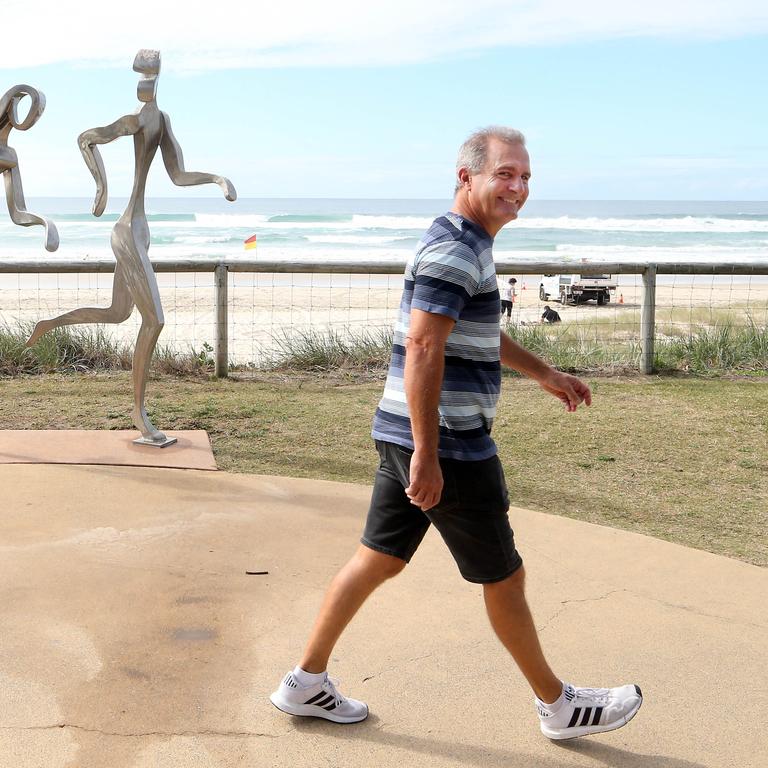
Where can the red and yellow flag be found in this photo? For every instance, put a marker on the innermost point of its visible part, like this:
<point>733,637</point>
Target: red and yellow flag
<point>250,242</point>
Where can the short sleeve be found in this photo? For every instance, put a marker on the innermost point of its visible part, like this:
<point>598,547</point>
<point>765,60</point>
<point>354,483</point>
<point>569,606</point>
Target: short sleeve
<point>445,277</point>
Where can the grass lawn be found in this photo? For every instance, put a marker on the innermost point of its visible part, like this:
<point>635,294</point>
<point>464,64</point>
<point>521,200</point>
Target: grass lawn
<point>682,459</point>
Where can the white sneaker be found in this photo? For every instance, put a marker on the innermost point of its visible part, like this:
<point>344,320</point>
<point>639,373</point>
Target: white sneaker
<point>590,710</point>
<point>319,700</point>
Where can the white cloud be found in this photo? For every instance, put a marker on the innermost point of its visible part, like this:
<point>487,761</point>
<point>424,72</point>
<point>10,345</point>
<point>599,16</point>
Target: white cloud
<point>197,34</point>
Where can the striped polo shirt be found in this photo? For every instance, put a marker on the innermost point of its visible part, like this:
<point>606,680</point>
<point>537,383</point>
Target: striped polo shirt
<point>451,273</point>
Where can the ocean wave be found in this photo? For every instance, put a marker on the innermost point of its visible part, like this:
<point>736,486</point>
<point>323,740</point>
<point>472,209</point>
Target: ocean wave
<point>112,217</point>
<point>358,239</point>
<point>362,223</point>
<point>201,239</point>
<point>685,224</point>
<point>294,218</point>
<point>420,223</point>
<point>351,223</point>
<point>240,220</point>
<point>758,251</point>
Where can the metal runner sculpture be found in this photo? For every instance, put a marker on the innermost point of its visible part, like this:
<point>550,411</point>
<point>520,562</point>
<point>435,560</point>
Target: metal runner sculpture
<point>134,281</point>
<point>9,163</point>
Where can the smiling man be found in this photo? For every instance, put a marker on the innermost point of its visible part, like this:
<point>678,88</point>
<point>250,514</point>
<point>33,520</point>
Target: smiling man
<point>438,463</point>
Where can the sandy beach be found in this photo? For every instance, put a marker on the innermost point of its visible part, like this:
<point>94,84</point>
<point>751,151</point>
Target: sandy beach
<point>266,307</point>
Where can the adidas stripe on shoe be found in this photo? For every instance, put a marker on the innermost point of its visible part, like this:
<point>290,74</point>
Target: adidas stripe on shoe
<point>319,700</point>
<point>585,711</point>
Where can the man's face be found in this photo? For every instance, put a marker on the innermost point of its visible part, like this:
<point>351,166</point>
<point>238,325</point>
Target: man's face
<point>500,190</point>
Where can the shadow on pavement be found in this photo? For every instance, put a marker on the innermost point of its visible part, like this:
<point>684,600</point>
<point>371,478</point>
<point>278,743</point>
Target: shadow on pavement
<point>621,758</point>
<point>372,730</point>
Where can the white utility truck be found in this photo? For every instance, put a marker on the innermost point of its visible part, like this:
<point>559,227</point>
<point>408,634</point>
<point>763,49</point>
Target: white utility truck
<point>577,288</point>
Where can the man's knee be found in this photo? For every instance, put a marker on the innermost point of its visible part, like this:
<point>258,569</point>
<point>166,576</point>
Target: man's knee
<point>515,582</point>
<point>379,564</point>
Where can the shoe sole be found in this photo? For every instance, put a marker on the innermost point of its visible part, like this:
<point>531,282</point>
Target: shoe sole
<point>310,710</point>
<point>588,730</point>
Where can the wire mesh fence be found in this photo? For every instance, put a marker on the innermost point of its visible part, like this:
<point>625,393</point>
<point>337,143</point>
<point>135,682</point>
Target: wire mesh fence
<point>688,308</point>
<point>270,310</point>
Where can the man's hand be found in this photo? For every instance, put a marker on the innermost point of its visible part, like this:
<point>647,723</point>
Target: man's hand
<point>426,481</point>
<point>566,388</point>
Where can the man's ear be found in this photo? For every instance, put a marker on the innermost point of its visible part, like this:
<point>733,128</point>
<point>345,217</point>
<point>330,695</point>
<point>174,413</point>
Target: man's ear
<point>464,177</point>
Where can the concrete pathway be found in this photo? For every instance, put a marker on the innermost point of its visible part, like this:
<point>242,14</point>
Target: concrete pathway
<point>131,636</point>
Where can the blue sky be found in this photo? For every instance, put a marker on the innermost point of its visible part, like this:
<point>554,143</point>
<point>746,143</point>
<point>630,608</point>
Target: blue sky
<point>335,101</point>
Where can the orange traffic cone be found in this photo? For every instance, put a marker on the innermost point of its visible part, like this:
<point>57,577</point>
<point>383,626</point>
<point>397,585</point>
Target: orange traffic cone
<point>621,298</point>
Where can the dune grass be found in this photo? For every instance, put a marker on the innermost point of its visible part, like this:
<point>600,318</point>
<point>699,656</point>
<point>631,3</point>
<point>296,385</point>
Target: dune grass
<point>596,347</point>
<point>312,350</point>
<point>719,348</point>
<point>589,347</point>
<point>88,348</point>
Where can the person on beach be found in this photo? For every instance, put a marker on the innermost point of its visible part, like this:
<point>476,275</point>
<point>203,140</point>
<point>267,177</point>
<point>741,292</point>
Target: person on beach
<point>508,294</point>
<point>549,315</point>
<point>134,281</point>
<point>438,462</point>
<point>9,162</point>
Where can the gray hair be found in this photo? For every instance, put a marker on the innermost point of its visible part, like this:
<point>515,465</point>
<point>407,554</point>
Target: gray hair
<point>474,151</point>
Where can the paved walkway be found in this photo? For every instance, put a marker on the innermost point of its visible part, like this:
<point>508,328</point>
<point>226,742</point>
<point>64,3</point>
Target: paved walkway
<point>131,636</point>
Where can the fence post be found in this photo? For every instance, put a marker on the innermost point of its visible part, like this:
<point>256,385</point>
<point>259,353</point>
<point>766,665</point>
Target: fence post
<point>221,279</point>
<point>648,319</point>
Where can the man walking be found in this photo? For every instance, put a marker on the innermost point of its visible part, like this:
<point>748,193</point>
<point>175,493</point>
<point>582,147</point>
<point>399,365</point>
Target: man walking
<point>438,462</point>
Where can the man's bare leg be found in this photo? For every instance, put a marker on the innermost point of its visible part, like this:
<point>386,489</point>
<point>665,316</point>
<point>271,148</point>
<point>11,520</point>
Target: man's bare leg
<point>365,571</point>
<point>565,712</point>
<point>308,690</point>
<point>512,621</point>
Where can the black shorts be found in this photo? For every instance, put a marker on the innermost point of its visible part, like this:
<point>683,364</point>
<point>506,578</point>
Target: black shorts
<point>471,515</point>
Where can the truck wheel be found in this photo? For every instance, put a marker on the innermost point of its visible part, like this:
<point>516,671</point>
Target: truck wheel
<point>600,299</point>
<point>542,295</point>
<point>563,297</point>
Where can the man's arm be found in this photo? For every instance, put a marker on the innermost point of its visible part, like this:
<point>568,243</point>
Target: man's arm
<point>424,369</point>
<point>568,389</point>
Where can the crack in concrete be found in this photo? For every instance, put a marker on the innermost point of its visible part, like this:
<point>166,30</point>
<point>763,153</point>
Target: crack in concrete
<point>565,603</point>
<point>397,666</point>
<point>169,734</point>
<point>677,606</point>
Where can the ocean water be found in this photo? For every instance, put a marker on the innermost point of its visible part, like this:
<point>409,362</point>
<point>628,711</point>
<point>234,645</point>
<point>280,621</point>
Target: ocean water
<point>199,228</point>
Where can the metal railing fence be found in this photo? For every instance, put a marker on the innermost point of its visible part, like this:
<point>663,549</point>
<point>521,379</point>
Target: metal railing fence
<point>225,270</point>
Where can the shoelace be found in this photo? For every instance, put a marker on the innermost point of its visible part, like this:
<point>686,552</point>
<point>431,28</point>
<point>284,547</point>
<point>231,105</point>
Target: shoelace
<point>329,686</point>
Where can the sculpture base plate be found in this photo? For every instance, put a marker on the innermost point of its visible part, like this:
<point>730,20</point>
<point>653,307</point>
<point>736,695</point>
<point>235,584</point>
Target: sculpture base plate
<point>107,446</point>
<point>155,443</point>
